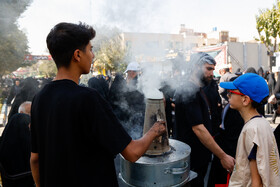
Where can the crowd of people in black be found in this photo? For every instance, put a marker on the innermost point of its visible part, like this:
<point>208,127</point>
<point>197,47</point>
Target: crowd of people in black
<point>197,113</point>
<point>183,115</point>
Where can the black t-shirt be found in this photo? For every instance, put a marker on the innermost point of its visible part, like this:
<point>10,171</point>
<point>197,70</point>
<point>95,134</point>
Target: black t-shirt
<point>233,123</point>
<point>76,135</point>
<point>189,112</point>
<point>211,91</point>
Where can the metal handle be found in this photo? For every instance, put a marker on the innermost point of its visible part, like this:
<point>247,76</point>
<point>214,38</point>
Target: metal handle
<point>177,171</point>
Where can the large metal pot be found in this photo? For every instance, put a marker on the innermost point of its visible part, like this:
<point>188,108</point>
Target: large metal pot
<point>171,169</point>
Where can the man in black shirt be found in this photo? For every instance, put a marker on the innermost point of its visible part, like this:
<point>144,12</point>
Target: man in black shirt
<point>193,117</point>
<point>14,91</point>
<point>74,133</point>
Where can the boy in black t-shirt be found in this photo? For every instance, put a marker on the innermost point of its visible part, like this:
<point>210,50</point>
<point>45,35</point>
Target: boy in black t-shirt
<point>75,135</point>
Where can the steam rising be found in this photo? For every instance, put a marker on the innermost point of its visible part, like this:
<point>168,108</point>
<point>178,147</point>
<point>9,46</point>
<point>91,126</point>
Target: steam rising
<point>133,16</point>
<point>182,76</point>
<point>150,81</point>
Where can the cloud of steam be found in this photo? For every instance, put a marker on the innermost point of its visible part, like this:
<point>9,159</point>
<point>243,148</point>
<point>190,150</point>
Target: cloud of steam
<point>184,77</point>
<point>133,16</point>
<point>150,80</point>
<point>139,16</point>
<point>134,126</point>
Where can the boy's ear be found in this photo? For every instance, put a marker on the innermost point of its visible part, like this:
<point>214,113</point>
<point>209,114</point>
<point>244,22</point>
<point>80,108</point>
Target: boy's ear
<point>246,100</point>
<point>76,55</point>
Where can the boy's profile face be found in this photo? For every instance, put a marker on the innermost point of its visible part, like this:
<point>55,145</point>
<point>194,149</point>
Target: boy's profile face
<point>235,99</point>
<point>86,58</point>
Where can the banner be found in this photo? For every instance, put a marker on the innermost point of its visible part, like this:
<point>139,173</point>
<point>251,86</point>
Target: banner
<point>37,57</point>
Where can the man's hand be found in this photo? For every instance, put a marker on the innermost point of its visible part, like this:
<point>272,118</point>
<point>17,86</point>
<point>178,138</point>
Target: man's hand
<point>272,99</point>
<point>228,162</point>
<point>208,141</point>
<point>136,148</point>
<point>158,128</point>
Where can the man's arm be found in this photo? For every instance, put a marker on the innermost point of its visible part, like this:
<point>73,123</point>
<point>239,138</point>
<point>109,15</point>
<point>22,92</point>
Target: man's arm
<point>34,163</point>
<point>208,141</point>
<point>136,148</point>
<point>255,176</point>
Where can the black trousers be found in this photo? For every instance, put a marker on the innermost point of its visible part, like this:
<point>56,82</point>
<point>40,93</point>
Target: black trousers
<point>23,182</point>
<point>199,180</point>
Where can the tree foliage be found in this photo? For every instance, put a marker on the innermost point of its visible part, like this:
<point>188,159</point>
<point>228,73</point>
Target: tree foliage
<point>110,53</point>
<point>268,26</point>
<point>13,42</point>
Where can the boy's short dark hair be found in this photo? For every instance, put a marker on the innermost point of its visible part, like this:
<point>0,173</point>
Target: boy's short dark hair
<point>65,38</point>
<point>257,105</point>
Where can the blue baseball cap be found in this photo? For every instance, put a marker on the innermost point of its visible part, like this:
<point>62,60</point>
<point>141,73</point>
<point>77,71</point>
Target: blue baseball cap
<point>249,84</point>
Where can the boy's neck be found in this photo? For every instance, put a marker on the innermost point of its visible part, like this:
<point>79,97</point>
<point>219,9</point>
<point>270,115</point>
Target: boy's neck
<point>247,114</point>
<point>67,73</point>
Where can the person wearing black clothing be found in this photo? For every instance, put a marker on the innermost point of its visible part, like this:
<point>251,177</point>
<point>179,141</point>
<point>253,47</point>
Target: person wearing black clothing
<point>117,98</point>
<point>271,86</point>
<point>14,91</point>
<point>168,89</point>
<point>274,99</point>
<point>105,137</point>
<point>108,80</point>
<point>15,151</point>
<point>277,136</point>
<point>260,72</point>
<point>227,139</point>
<point>128,102</point>
<point>27,92</point>
<point>129,107</point>
<point>251,70</point>
<point>136,110</point>
<point>74,132</point>
<point>100,85</point>
<point>211,91</point>
<point>266,74</point>
<point>188,114</point>
<point>193,117</point>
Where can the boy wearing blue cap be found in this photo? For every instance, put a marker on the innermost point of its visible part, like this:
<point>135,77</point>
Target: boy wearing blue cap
<point>257,158</point>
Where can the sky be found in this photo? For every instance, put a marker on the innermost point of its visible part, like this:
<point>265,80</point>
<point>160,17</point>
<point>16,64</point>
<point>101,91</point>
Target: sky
<point>152,16</point>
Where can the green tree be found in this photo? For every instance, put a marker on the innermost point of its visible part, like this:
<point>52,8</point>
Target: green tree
<point>110,53</point>
<point>268,26</point>
<point>13,42</point>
